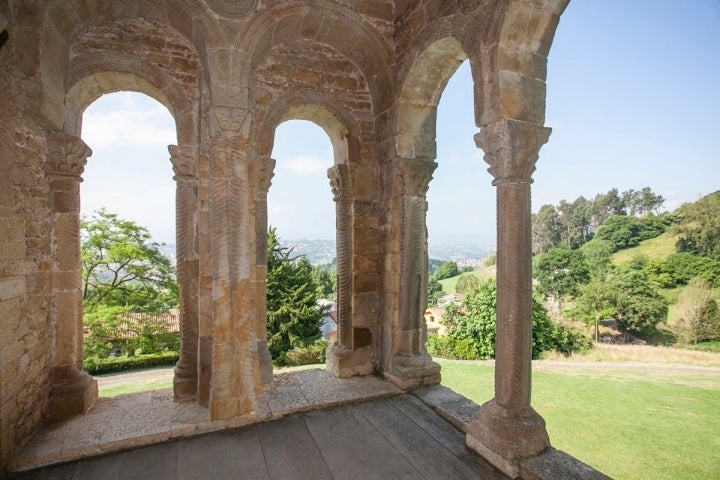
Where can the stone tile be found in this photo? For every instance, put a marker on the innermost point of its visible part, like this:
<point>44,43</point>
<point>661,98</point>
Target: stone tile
<point>135,420</point>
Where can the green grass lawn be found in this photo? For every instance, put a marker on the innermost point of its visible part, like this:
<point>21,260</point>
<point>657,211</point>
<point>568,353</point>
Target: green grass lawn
<point>135,387</point>
<point>653,248</point>
<point>627,424</point>
<point>483,273</point>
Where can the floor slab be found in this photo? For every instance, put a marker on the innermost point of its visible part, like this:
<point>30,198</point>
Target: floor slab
<point>140,419</point>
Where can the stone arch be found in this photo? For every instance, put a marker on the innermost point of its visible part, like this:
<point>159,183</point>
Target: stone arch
<point>420,91</point>
<point>107,59</point>
<point>339,127</point>
<point>517,48</point>
<point>422,82</point>
<point>351,354</point>
<point>294,20</point>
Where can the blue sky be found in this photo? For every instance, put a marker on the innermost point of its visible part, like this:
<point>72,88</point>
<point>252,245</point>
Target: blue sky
<point>633,98</point>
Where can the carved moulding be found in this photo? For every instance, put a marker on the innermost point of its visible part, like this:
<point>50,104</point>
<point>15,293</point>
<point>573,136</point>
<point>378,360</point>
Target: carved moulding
<point>67,155</point>
<point>511,149</point>
<point>233,8</point>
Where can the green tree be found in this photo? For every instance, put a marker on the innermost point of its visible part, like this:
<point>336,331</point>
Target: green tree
<point>699,316</point>
<point>561,271</point>
<point>293,316</point>
<point>634,300</point>
<point>122,266</point>
<point>473,326</point>
<point>597,255</point>
<point>620,232</point>
<point>435,291</point>
<point>593,303</point>
<point>446,270</point>
<point>546,229</point>
<point>700,228</point>
<point>467,283</point>
<point>325,281</point>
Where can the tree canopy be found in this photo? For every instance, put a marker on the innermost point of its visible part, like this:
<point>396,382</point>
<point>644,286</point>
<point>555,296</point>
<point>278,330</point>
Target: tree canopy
<point>293,316</point>
<point>561,271</point>
<point>700,230</point>
<point>474,324</point>
<point>122,266</point>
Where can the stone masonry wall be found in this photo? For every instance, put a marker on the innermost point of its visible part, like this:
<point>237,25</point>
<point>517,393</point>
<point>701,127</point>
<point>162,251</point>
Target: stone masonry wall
<point>25,338</point>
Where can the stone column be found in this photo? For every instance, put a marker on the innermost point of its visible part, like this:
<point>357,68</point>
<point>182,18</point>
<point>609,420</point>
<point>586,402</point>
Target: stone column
<point>73,391</point>
<point>184,161</point>
<point>351,354</point>
<point>227,378</point>
<point>411,366</point>
<point>261,173</point>
<point>507,430</point>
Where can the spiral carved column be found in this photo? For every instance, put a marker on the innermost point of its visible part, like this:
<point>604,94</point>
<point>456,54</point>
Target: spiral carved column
<point>345,357</point>
<point>411,366</point>
<point>73,390</point>
<point>261,173</point>
<point>507,430</point>
<point>184,161</point>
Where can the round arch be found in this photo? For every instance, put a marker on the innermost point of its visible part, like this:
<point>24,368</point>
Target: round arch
<point>420,91</point>
<point>341,128</point>
<point>293,20</point>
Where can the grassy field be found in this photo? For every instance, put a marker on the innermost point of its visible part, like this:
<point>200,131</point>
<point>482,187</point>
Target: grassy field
<point>654,248</point>
<point>483,273</point>
<point>632,412</point>
<point>628,423</point>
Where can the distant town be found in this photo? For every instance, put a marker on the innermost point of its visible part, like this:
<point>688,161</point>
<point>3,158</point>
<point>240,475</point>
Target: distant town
<point>322,252</point>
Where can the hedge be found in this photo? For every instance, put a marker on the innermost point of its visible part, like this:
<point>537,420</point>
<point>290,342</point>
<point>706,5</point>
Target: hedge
<point>96,366</point>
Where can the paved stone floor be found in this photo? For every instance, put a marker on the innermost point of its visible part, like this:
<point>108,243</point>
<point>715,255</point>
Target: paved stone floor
<point>308,424</point>
<point>397,437</point>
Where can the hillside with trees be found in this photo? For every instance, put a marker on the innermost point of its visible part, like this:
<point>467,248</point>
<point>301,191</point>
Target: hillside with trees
<point>618,267</point>
<point>616,257</point>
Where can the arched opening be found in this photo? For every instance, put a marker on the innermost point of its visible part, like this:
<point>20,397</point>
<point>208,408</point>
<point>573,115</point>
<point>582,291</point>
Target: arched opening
<point>461,200</point>
<point>128,253</point>
<point>301,217</point>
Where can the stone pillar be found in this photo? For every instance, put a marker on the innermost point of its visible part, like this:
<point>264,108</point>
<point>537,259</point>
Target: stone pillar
<point>507,430</point>
<point>184,161</point>
<point>261,173</point>
<point>411,366</point>
<point>73,390</point>
<point>228,377</point>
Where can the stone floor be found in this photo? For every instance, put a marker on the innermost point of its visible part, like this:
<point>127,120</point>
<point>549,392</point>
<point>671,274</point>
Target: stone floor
<point>397,437</point>
<point>139,419</point>
<point>309,424</point>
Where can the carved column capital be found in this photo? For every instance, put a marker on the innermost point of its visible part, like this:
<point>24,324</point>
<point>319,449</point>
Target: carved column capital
<point>184,162</point>
<point>340,181</point>
<point>511,149</point>
<point>67,155</point>
<point>229,120</point>
<point>262,170</point>
<point>415,175</point>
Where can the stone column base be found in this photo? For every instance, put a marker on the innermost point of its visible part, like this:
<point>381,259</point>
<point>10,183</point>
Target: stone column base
<point>345,363</point>
<point>184,381</point>
<point>506,438</point>
<point>264,362</point>
<point>227,408</point>
<point>73,392</point>
<point>413,371</point>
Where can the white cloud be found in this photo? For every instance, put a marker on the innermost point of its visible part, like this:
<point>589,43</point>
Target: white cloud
<point>305,165</point>
<point>127,120</point>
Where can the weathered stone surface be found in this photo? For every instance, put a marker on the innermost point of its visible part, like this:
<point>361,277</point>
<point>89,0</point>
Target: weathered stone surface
<point>369,72</point>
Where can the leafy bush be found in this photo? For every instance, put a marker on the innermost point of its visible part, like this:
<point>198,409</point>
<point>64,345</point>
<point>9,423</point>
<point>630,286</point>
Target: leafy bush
<point>112,331</point>
<point>309,355</point>
<point>447,347</point>
<point>679,268</point>
<point>95,365</point>
<point>472,328</point>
